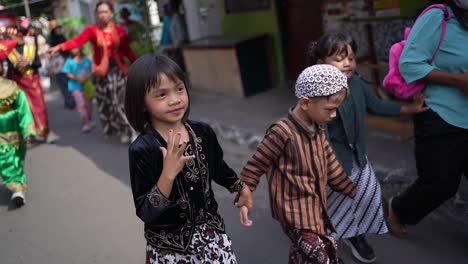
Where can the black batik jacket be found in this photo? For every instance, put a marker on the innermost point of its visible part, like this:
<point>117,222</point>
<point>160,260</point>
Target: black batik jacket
<point>170,221</point>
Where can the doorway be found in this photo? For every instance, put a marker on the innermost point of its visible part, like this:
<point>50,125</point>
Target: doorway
<point>300,22</point>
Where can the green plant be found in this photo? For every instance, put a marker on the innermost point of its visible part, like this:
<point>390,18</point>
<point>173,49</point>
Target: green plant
<point>141,47</point>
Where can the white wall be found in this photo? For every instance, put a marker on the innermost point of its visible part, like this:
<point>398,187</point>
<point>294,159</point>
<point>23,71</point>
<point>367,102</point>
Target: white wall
<point>202,20</point>
<point>210,15</point>
<point>73,8</point>
<point>76,10</point>
<point>192,18</point>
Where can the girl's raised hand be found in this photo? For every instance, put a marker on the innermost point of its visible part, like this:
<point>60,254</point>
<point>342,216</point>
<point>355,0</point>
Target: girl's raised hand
<point>174,158</point>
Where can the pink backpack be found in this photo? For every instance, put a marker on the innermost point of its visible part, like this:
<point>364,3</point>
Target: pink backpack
<point>393,81</point>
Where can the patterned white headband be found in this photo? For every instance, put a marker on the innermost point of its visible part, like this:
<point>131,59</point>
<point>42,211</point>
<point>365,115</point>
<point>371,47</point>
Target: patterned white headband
<point>320,80</point>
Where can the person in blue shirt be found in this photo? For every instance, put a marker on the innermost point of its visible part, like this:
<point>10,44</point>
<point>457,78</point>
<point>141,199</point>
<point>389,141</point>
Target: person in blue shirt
<point>78,70</point>
<point>441,133</point>
<point>165,32</point>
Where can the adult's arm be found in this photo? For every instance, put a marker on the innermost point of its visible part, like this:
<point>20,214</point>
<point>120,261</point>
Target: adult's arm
<point>419,49</point>
<point>79,40</point>
<point>458,80</point>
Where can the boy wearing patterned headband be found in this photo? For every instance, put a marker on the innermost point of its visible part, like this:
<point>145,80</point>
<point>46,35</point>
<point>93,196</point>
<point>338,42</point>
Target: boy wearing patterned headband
<point>16,125</point>
<point>299,163</point>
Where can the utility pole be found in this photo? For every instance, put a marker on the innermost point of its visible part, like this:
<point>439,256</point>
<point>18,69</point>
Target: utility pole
<point>26,9</point>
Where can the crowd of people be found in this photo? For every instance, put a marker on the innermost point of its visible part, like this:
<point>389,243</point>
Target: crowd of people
<point>80,79</point>
<point>321,183</point>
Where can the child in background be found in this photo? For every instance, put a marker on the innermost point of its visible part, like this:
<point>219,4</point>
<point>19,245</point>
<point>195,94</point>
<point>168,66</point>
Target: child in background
<point>172,165</point>
<point>299,163</point>
<point>16,127</point>
<point>353,218</point>
<point>78,70</point>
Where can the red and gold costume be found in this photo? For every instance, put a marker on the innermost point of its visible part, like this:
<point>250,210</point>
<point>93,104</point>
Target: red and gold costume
<point>29,82</point>
<point>16,125</point>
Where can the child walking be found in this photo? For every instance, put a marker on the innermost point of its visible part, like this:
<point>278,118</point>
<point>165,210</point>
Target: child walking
<point>353,218</point>
<point>299,163</point>
<point>172,165</point>
<point>16,127</point>
<point>78,70</point>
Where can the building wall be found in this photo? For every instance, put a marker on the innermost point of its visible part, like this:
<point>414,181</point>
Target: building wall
<point>61,8</point>
<point>256,23</point>
<point>202,18</point>
<point>192,19</point>
<point>75,8</point>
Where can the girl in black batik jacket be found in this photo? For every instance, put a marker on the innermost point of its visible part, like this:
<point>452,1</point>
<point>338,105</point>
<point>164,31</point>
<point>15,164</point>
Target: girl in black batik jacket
<point>172,165</point>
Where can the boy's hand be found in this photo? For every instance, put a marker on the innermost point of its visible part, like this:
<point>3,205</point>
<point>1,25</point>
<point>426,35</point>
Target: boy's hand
<point>245,204</point>
<point>417,106</point>
<point>174,158</point>
<point>245,199</point>
<point>244,216</point>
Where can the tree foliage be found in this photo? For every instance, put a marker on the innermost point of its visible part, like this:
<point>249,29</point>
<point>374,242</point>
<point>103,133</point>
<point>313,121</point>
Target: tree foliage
<point>10,2</point>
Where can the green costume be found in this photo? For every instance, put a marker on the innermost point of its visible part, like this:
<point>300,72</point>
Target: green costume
<point>16,124</point>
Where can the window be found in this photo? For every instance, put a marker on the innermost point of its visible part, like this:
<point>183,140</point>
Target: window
<point>86,12</point>
<point>240,6</point>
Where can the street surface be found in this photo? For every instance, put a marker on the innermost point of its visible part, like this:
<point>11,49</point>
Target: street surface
<point>80,209</point>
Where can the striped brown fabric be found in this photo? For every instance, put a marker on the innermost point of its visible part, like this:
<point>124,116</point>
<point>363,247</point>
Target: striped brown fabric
<point>298,164</point>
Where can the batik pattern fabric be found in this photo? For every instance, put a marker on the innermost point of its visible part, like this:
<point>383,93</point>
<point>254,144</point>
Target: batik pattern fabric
<point>208,245</point>
<point>310,248</point>
<point>110,94</point>
<point>363,214</point>
<point>16,124</point>
<point>320,80</point>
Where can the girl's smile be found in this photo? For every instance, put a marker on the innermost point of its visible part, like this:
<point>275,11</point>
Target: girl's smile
<point>176,111</point>
<point>168,102</point>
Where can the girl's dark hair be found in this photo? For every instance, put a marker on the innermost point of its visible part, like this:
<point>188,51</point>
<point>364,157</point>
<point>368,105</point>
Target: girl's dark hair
<point>328,45</point>
<point>144,74</point>
<point>81,52</point>
<point>458,12</point>
<point>22,29</point>
<point>98,4</point>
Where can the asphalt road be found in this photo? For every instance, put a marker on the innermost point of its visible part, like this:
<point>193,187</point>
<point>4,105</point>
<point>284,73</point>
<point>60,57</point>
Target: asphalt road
<point>80,210</point>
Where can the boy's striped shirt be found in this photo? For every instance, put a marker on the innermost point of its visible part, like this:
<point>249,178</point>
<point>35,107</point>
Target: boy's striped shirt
<point>293,157</point>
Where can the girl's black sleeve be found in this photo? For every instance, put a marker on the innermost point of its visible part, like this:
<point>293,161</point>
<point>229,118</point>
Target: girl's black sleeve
<point>224,175</point>
<point>145,168</point>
